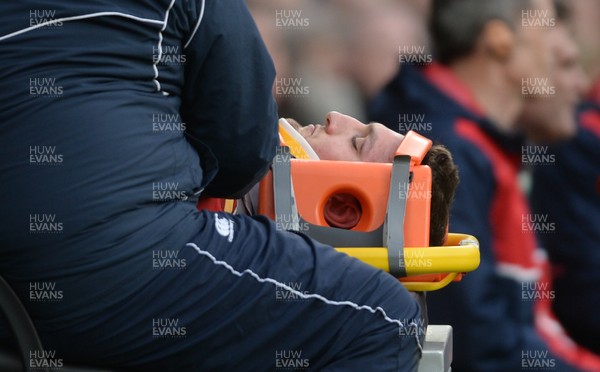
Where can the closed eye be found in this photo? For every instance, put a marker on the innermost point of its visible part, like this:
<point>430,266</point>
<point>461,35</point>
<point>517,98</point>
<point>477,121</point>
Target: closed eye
<point>358,143</point>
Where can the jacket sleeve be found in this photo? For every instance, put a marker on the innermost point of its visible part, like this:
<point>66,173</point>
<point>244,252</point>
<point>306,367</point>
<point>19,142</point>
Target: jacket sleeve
<point>227,102</point>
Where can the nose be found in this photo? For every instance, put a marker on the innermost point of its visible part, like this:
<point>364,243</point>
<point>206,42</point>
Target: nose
<point>335,122</point>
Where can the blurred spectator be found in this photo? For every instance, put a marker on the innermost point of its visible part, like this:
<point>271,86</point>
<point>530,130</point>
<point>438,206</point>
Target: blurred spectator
<point>586,14</point>
<point>552,117</point>
<point>566,194</point>
<point>336,54</point>
<point>311,81</point>
<point>493,55</point>
<point>381,31</point>
<point>586,25</point>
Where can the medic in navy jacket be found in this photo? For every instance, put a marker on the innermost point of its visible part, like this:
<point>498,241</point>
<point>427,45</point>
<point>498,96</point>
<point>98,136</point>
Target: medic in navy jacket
<point>493,323</point>
<point>116,115</point>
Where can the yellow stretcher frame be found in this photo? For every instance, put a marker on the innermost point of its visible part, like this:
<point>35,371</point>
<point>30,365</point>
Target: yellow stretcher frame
<point>460,254</point>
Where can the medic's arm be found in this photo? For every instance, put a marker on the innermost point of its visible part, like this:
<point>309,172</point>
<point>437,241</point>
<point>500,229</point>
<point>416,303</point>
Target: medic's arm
<point>227,101</point>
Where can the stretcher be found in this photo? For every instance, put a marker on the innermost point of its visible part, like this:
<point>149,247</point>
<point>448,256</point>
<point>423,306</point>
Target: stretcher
<point>393,231</point>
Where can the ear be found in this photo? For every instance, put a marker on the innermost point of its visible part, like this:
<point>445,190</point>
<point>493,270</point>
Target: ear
<point>498,39</point>
<point>342,211</point>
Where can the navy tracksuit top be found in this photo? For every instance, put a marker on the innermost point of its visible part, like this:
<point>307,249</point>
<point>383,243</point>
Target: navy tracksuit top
<point>102,112</point>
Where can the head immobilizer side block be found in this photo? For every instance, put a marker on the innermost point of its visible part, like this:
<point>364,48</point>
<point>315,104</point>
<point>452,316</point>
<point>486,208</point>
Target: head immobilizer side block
<point>393,231</point>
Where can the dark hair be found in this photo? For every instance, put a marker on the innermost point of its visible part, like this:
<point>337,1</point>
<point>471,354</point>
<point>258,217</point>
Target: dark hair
<point>455,25</point>
<point>444,180</point>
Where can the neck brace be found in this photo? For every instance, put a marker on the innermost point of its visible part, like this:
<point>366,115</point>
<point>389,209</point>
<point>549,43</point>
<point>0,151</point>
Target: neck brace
<point>290,137</point>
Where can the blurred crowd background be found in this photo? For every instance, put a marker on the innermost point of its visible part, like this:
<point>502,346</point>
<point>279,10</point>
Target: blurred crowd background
<point>342,52</point>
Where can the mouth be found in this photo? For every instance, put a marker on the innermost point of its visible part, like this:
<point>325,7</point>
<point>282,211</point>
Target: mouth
<point>308,130</point>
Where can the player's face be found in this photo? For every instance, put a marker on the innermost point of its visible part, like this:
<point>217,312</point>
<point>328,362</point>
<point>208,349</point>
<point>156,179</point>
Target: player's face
<point>343,137</point>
